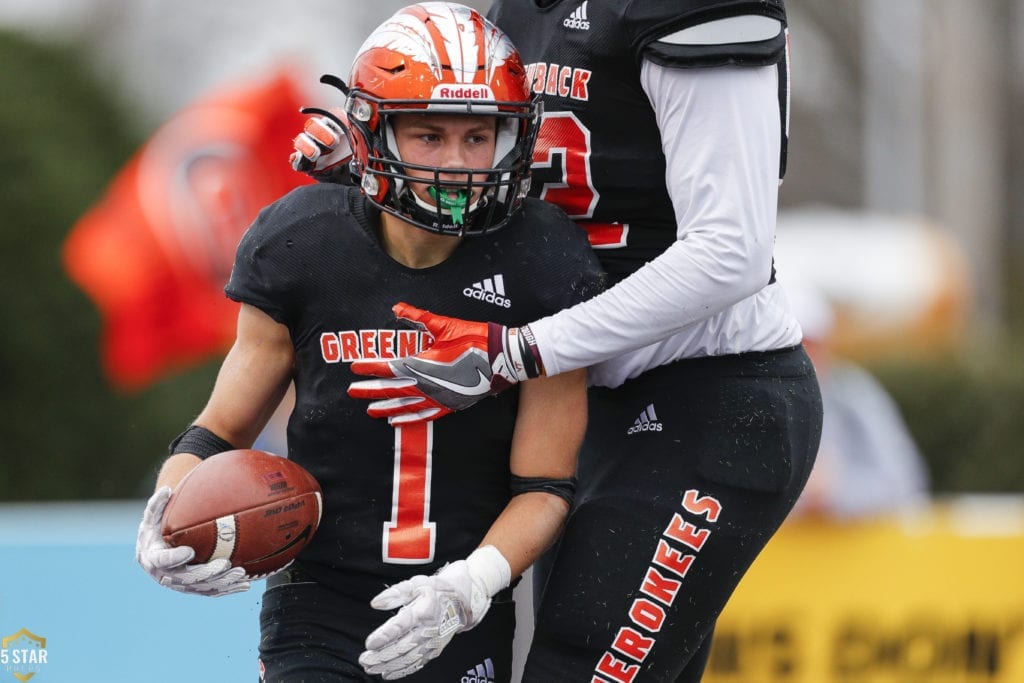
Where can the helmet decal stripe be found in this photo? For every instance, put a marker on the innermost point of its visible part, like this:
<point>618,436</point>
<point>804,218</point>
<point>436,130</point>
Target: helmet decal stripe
<point>455,31</point>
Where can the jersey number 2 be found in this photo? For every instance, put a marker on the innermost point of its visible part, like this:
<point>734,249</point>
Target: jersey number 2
<point>409,536</point>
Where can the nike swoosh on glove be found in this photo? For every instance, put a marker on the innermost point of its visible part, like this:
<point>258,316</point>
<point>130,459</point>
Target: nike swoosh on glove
<point>433,609</point>
<point>466,362</point>
<point>169,566</point>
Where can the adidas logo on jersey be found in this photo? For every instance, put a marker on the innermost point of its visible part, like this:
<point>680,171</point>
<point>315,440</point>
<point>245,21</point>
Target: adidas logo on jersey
<point>578,19</point>
<point>647,422</point>
<point>481,673</point>
<point>491,290</point>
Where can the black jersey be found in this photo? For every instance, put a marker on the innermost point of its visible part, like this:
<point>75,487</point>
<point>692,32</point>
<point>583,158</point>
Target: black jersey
<point>599,153</point>
<point>397,501</point>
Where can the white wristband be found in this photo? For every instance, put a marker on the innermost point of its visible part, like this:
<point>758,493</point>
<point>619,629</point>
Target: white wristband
<point>488,566</point>
<point>520,348</point>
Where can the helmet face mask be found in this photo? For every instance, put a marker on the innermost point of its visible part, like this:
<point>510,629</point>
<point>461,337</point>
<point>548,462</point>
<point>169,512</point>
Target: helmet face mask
<point>441,58</point>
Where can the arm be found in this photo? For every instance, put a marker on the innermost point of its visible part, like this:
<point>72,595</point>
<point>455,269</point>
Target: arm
<point>434,608</point>
<point>541,447</point>
<point>251,382</point>
<point>720,134</point>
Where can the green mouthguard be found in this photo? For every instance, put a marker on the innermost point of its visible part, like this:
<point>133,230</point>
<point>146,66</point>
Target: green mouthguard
<point>456,204</point>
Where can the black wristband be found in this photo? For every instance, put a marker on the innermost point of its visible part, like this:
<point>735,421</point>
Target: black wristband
<point>199,441</point>
<point>563,488</point>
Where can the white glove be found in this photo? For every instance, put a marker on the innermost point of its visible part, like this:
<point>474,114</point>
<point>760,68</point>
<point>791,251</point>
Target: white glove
<point>433,609</point>
<point>168,566</point>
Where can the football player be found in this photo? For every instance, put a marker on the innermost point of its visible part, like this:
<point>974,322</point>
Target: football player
<point>432,519</point>
<point>664,135</point>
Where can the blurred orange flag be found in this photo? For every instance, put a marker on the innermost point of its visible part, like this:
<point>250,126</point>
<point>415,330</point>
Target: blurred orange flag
<point>156,250</point>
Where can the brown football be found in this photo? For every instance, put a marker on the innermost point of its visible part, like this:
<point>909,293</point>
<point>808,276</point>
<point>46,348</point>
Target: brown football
<point>256,509</point>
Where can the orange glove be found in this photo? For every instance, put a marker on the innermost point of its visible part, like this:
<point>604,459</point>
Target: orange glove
<point>467,361</point>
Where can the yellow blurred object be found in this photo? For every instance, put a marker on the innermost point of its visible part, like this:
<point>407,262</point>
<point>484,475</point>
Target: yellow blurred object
<point>933,598</point>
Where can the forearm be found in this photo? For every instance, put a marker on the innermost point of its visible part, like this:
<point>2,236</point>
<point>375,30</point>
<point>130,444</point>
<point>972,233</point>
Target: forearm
<point>249,388</point>
<point>541,448</point>
<point>250,384</point>
<point>175,468</point>
<point>527,527</point>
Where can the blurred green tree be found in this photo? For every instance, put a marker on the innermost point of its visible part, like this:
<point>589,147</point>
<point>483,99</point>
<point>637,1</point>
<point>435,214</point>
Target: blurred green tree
<point>965,413</point>
<point>66,434</point>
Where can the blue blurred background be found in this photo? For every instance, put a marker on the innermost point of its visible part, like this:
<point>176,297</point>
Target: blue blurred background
<point>70,577</point>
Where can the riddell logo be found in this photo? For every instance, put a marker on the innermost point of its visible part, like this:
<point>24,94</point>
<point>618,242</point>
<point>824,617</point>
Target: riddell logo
<point>578,19</point>
<point>462,92</point>
<point>491,290</point>
<point>647,422</point>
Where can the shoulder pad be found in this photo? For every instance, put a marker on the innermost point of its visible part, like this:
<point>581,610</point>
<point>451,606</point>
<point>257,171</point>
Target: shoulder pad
<point>745,40</point>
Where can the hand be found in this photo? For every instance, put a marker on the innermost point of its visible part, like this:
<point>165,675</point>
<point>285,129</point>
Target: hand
<point>467,361</point>
<point>168,566</point>
<point>322,149</point>
<point>433,609</point>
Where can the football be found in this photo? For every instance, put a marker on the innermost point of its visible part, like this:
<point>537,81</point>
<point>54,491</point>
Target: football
<point>256,509</point>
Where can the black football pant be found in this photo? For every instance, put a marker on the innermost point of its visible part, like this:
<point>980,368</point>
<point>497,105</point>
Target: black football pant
<point>685,474</point>
<point>312,634</point>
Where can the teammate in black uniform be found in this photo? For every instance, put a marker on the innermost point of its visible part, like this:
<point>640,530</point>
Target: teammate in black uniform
<point>664,134</point>
<point>432,519</point>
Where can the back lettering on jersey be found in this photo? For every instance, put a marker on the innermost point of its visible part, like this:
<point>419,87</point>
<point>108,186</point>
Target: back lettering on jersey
<point>559,80</point>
